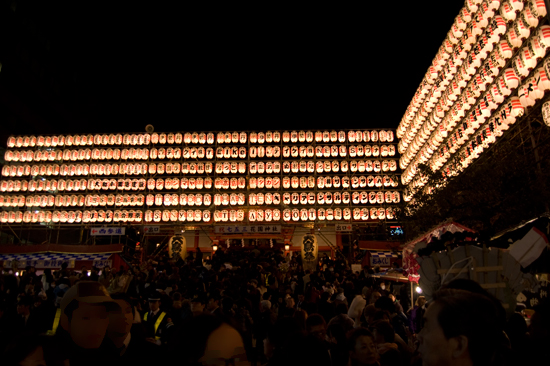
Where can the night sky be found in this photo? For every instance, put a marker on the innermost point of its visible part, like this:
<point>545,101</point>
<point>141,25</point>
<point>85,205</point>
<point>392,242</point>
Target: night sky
<point>185,69</point>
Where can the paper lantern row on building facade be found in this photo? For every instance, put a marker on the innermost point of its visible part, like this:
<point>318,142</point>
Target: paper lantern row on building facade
<point>251,215</point>
<point>92,216</point>
<point>198,199</point>
<point>496,24</point>
<point>234,167</point>
<point>61,185</point>
<point>529,92</point>
<point>473,24</point>
<point>461,120</point>
<point>201,138</point>
<point>194,153</point>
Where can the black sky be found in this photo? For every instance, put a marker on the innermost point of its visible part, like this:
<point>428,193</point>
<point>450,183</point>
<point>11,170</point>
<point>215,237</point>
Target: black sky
<point>120,68</point>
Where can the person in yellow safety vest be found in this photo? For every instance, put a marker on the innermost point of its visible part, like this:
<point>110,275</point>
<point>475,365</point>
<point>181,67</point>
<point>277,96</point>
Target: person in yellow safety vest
<point>155,321</point>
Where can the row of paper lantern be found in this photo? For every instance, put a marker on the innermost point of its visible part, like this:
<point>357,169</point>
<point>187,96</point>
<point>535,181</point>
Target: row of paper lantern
<point>425,124</point>
<point>531,90</point>
<point>462,97</point>
<point>452,50</point>
<point>490,101</point>
<point>200,138</point>
<point>535,47</point>
<point>462,34</point>
<point>253,215</point>
<point>304,214</point>
<point>500,121</point>
<point>198,183</point>
<point>514,38</point>
<point>261,167</point>
<point>190,183</point>
<point>494,128</point>
<point>91,216</point>
<point>295,198</point>
<point>227,152</point>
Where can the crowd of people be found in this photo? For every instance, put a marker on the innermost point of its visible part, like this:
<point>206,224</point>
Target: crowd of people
<point>257,307</point>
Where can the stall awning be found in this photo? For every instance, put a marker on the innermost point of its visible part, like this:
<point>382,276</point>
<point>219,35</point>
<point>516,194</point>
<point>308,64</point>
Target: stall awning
<point>382,258</point>
<point>384,254</point>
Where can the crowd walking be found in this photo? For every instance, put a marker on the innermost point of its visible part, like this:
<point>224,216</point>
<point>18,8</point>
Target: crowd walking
<point>254,307</point>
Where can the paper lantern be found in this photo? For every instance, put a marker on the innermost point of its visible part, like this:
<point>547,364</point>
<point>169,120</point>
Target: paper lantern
<point>529,92</point>
<point>528,18</point>
<point>544,76</point>
<point>521,29</point>
<point>508,12</point>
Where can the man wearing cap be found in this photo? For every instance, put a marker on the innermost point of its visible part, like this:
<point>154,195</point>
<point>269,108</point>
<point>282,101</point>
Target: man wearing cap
<point>198,303</point>
<point>83,321</point>
<point>154,320</point>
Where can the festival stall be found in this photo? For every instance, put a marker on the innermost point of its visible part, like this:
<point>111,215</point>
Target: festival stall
<point>410,263</point>
<point>508,266</point>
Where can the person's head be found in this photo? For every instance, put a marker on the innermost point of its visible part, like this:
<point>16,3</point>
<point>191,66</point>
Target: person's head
<point>227,304</point>
<point>341,308</point>
<point>301,317</point>
<point>121,317</point>
<point>213,301</point>
<point>154,301</point>
<point>421,301</point>
<point>198,302</point>
<point>385,303</point>
<point>374,296</point>
<point>380,315</point>
<point>316,326</point>
<point>207,340</point>
<point>383,332</point>
<point>176,300</point>
<point>362,350</point>
<point>84,313</point>
<point>336,333</point>
<point>265,305</point>
<point>289,300</point>
<point>460,326</point>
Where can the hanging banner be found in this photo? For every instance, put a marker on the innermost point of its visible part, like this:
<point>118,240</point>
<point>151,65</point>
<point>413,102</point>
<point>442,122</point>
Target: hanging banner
<point>103,263</point>
<point>343,228</point>
<point>151,229</point>
<point>240,229</point>
<point>104,231</point>
<point>310,251</point>
<point>177,247</point>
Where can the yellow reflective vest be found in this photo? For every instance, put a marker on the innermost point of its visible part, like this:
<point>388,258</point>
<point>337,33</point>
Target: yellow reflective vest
<point>157,323</point>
